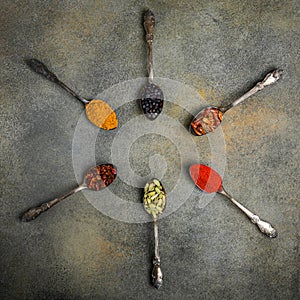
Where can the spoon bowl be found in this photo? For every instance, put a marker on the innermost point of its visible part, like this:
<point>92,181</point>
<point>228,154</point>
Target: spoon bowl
<point>96,179</point>
<point>209,118</point>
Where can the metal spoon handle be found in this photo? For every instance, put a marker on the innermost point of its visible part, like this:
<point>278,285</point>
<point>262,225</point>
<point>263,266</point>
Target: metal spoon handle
<point>270,78</point>
<point>42,69</point>
<point>149,24</point>
<point>34,212</point>
<point>263,226</point>
<point>157,276</point>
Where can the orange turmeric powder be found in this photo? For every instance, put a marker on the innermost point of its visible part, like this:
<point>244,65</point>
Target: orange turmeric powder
<point>101,114</point>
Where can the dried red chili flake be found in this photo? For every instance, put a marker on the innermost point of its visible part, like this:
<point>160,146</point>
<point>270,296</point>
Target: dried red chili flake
<point>207,179</point>
<point>207,120</point>
<point>100,177</point>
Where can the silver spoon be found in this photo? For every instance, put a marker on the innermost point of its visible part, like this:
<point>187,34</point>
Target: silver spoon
<point>208,119</point>
<point>152,97</point>
<point>210,181</point>
<point>97,111</point>
<point>97,178</point>
<point>154,204</point>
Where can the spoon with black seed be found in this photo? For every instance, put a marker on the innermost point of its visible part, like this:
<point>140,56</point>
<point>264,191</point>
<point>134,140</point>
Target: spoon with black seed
<point>152,97</point>
<point>96,179</point>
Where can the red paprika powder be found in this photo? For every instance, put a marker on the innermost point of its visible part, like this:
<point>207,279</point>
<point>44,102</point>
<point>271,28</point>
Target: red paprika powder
<point>207,179</point>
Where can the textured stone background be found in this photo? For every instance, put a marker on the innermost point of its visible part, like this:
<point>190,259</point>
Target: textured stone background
<point>220,48</point>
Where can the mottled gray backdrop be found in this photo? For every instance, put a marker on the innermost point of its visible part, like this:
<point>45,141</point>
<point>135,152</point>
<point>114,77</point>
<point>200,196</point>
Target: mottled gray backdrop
<point>209,250</point>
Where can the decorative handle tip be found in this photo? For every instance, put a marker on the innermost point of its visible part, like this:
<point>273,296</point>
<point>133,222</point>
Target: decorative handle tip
<point>265,227</point>
<point>42,69</point>
<point>157,276</point>
<point>272,77</point>
<point>149,24</point>
<point>34,212</point>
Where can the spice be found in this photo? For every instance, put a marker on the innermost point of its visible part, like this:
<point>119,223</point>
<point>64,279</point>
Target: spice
<point>206,178</point>
<point>101,114</point>
<point>207,120</point>
<point>152,101</point>
<point>154,198</point>
<point>100,177</point>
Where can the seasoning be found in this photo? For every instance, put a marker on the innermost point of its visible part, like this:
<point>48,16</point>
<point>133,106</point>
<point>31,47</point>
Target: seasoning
<point>101,114</point>
<point>100,177</point>
<point>152,100</point>
<point>154,198</point>
<point>206,178</point>
<point>207,120</point>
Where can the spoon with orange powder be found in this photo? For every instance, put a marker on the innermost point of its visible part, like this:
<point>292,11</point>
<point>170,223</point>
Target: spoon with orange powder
<point>209,118</point>
<point>97,111</point>
<point>209,181</point>
<point>96,179</point>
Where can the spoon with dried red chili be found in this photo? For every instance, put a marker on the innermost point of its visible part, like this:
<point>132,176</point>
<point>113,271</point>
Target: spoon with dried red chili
<point>208,119</point>
<point>97,179</point>
<point>97,111</point>
<point>209,181</point>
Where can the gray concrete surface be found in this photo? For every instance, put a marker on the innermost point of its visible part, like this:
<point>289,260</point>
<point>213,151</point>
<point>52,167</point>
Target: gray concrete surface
<point>219,49</point>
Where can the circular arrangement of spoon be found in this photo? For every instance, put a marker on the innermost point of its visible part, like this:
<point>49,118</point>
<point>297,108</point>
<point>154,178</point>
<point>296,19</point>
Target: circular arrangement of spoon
<point>97,111</point>
<point>154,204</point>
<point>209,181</point>
<point>208,119</point>
<point>96,179</point>
<point>151,100</point>
<point>152,97</point>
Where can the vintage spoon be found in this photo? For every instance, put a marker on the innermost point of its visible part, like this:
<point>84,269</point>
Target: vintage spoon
<point>154,204</point>
<point>97,178</point>
<point>209,181</point>
<point>208,119</point>
<point>152,97</point>
<point>97,111</point>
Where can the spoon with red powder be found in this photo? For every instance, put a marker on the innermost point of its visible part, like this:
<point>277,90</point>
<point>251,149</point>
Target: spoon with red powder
<point>97,179</point>
<point>209,118</point>
<point>209,181</point>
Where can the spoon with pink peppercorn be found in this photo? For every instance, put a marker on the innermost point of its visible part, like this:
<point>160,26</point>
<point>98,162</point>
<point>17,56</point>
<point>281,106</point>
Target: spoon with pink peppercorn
<point>97,179</point>
<point>209,118</point>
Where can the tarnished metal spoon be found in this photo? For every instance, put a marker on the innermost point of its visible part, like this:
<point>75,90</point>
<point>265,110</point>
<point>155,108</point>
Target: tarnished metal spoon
<point>210,181</point>
<point>154,204</point>
<point>97,111</point>
<point>208,119</point>
<point>97,178</point>
<point>152,97</point>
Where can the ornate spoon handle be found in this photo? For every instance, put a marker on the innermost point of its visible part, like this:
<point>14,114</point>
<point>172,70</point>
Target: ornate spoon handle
<point>149,24</point>
<point>157,276</point>
<point>263,226</point>
<point>34,212</point>
<point>270,78</point>
<point>42,69</point>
